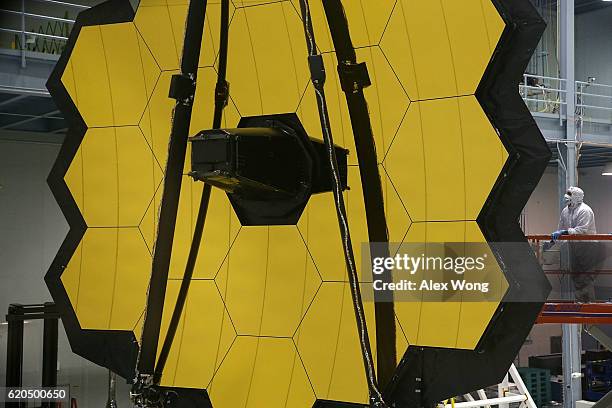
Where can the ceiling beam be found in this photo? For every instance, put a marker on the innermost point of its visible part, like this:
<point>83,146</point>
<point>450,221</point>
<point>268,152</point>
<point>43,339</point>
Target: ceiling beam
<point>21,122</point>
<point>13,99</point>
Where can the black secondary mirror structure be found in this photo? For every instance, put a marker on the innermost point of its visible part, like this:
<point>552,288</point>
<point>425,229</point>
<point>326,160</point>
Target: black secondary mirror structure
<point>268,166</point>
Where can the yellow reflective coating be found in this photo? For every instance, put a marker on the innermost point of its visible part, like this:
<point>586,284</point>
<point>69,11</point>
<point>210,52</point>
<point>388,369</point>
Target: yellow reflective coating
<point>269,320</point>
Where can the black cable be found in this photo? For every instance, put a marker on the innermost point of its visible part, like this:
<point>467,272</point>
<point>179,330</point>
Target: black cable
<point>221,94</point>
<point>353,78</point>
<point>317,70</point>
<point>184,289</point>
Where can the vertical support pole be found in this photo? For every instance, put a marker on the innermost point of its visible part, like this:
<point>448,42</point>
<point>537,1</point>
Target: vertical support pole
<point>14,348</point>
<point>572,344</point>
<point>112,392</point>
<point>502,391</point>
<point>572,352</point>
<point>23,36</point>
<point>14,351</point>
<point>50,339</point>
<point>568,74</point>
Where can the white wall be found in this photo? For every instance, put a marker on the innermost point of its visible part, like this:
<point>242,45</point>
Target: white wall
<point>31,225</point>
<point>594,58</point>
<point>31,229</point>
<point>537,343</point>
<point>598,194</point>
<point>593,51</point>
<point>542,210</point>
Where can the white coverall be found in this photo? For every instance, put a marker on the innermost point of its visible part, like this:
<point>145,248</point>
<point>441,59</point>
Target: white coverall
<point>578,218</point>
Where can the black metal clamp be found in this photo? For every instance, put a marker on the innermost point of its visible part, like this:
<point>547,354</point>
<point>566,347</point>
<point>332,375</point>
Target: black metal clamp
<point>353,76</point>
<point>317,70</point>
<point>222,93</point>
<point>182,88</point>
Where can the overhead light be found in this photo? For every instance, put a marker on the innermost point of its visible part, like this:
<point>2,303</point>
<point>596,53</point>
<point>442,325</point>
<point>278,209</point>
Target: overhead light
<point>607,170</point>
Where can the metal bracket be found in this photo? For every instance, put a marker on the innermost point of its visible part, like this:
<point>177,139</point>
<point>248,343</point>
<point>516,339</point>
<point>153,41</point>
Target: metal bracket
<point>222,93</point>
<point>317,70</point>
<point>182,88</point>
<point>353,77</point>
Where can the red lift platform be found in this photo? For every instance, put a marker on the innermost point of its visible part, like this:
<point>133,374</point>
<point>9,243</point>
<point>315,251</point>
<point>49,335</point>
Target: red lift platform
<point>580,313</point>
<point>567,311</point>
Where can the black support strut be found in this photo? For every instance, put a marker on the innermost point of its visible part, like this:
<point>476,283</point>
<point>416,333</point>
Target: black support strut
<point>183,90</point>
<point>221,98</point>
<point>317,75</point>
<point>50,342</point>
<point>353,78</point>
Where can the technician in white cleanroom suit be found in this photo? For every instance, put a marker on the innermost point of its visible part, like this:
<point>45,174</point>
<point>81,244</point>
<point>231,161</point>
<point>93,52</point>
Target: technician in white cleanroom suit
<point>578,218</point>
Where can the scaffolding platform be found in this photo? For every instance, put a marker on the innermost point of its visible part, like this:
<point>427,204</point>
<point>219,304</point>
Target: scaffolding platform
<point>578,313</point>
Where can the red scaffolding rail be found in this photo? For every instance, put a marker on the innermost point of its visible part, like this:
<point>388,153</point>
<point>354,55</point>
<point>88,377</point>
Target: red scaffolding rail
<point>567,311</point>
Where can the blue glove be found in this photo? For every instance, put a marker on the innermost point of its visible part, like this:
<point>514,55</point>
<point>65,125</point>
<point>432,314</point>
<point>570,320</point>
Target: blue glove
<point>555,235</point>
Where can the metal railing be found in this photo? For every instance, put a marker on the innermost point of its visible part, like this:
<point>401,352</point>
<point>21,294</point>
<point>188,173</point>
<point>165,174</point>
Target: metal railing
<point>26,18</point>
<point>544,95</point>
<point>593,105</point>
<point>548,95</point>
